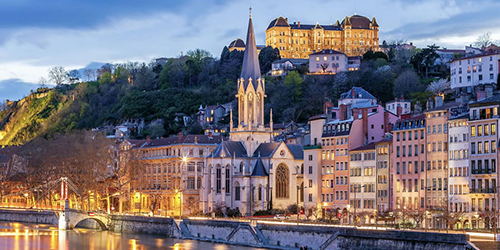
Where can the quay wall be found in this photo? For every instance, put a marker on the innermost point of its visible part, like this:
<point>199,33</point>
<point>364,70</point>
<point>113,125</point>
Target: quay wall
<point>263,235</point>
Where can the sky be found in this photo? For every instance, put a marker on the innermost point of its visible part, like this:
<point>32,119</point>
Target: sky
<point>37,35</point>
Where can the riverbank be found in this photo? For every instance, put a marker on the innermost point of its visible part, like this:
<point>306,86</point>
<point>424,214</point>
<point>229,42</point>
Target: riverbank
<point>262,234</point>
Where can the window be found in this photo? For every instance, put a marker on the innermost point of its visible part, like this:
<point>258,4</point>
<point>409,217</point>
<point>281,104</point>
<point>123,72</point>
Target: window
<point>218,176</point>
<point>237,192</point>
<point>228,177</point>
<point>282,181</point>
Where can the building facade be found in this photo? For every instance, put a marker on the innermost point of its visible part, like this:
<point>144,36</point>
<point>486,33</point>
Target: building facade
<point>327,62</point>
<point>473,70</point>
<point>354,36</point>
<point>250,172</point>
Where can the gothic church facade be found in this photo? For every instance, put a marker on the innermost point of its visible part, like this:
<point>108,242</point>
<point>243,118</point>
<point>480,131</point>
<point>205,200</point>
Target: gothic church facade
<point>250,171</point>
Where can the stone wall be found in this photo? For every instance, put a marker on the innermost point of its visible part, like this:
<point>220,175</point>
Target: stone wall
<point>145,225</point>
<point>44,217</point>
<point>276,236</point>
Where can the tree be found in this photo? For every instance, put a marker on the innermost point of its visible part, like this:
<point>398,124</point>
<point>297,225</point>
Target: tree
<point>407,83</point>
<point>438,86</point>
<point>266,58</point>
<point>105,78</point>
<point>294,81</point>
<point>43,82</point>
<point>74,76</point>
<point>89,74</point>
<point>483,40</point>
<point>312,211</point>
<point>58,75</point>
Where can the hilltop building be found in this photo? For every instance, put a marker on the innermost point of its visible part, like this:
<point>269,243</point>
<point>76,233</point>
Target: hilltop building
<point>354,36</point>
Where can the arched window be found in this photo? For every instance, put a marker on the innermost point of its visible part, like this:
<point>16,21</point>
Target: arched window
<point>228,179</point>
<point>237,194</point>
<point>259,194</point>
<point>218,175</point>
<point>282,182</point>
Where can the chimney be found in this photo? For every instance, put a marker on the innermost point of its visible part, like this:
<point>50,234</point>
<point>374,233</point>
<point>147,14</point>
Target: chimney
<point>439,101</point>
<point>399,111</point>
<point>480,95</point>
<point>352,93</point>
<point>364,113</point>
<point>196,140</point>
<point>430,104</point>
<point>210,136</point>
<point>411,43</point>
<point>343,112</point>
<point>355,114</point>
<point>180,135</point>
<point>299,24</point>
<point>148,139</point>
<point>386,121</point>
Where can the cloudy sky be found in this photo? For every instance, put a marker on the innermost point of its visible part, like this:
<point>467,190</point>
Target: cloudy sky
<point>36,35</point>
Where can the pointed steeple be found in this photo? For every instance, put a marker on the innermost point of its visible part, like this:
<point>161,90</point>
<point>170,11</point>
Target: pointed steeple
<point>251,68</point>
<point>347,21</point>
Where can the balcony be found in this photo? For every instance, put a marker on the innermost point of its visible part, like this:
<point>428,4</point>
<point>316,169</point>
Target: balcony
<point>481,171</point>
<point>482,190</point>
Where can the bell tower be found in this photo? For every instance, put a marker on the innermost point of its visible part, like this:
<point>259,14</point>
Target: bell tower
<point>251,93</point>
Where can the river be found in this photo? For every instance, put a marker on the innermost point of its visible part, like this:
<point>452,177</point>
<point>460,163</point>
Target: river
<point>26,236</point>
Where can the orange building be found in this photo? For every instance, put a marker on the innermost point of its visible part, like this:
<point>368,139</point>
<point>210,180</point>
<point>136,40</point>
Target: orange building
<point>354,36</point>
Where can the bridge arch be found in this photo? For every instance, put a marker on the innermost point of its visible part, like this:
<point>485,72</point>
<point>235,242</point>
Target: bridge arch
<point>101,224</point>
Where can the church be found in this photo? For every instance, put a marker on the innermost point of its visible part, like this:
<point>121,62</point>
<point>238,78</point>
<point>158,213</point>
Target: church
<point>250,171</point>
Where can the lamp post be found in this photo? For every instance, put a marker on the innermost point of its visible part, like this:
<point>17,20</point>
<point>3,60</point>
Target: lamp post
<point>298,211</point>
<point>476,215</point>
<point>178,191</point>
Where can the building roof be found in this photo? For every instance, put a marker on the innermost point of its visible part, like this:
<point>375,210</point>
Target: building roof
<point>327,51</point>
<point>359,22</point>
<point>494,99</point>
<point>316,117</point>
<point>229,149</point>
<point>238,43</point>
<point>296,150</point>
<point>410,123</point>
<point>358,93</point>
<point>294,61</point>
<point>475,56</point>
<point>187,139</point>
<point>280,22</point>
<point>369,146</point>
<point>266,149</point>
<point>251,67</point>
<point>259,169</point>
<point>445,106</point>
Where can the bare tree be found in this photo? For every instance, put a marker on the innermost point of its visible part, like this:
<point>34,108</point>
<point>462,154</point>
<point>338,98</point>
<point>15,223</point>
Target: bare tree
<point>483,40</point>
<point>438,86</point>
<point>406,83</point>
<point>58,75</point>
<point>312,211</point>
<point>43,82</point>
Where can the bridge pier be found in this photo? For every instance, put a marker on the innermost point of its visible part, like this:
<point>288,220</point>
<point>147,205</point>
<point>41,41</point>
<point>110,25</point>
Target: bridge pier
<point>63,220</point>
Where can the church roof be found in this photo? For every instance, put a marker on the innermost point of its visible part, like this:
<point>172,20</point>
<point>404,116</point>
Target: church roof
<point>229,149</point>
<point>296,150</point>
<point>259,169</point>
<point>266,149</point>
<point>250,68</point>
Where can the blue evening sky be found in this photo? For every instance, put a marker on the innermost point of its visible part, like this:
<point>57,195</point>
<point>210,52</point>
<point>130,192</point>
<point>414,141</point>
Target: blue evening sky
<point>36,35</point>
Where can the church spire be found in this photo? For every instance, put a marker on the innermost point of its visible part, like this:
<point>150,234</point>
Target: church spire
<point>251,68</point>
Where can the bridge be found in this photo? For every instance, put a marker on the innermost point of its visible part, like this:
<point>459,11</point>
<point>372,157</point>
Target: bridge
<point>69,218</point>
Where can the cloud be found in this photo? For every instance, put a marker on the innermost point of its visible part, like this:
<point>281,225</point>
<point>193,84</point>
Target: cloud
<point>37,35</point>
<point>14,89</point>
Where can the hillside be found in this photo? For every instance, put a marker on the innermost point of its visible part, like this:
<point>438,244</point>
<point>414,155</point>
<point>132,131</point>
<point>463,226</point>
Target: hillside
<point>154,92</point>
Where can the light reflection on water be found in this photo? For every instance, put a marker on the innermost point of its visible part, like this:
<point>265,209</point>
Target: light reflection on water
<point>25,236</point>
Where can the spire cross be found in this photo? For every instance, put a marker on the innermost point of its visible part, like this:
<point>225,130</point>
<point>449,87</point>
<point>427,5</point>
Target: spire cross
<point>250,12</point>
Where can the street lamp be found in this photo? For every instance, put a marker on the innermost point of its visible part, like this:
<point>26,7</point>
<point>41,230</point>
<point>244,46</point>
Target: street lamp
<point>476,215</point>
<point>180,202</point>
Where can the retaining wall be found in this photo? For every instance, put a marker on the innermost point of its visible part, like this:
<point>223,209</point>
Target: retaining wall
<point>44,217</point>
